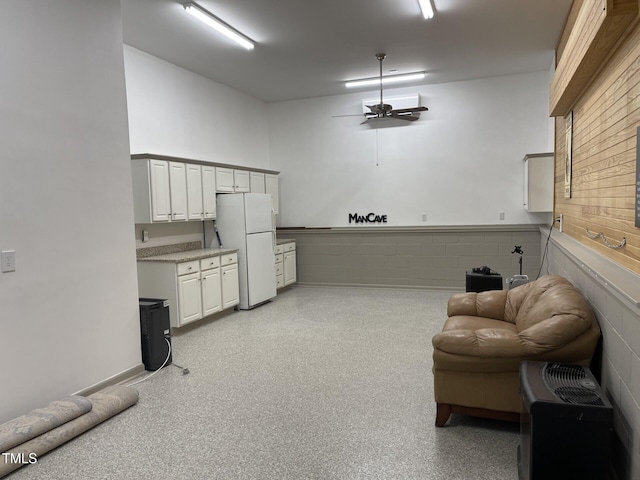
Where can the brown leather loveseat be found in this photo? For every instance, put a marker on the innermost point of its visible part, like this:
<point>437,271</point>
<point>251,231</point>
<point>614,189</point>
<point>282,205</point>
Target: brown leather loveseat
<point>477,354</point>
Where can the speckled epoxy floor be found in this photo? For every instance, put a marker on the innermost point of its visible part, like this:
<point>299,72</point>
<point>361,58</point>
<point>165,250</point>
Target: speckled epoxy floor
<point>321,383</point>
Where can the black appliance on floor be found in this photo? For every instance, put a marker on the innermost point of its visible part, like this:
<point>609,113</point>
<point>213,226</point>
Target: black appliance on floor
<point>481,279</point>
<point>565,423</point>
<point>155,332</point>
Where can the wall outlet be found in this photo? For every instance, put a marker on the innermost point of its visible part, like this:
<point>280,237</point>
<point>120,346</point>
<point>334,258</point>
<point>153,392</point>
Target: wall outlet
<point>424,217</point>
<point>145,236</point>
<point>560,223</point>
<point>8,261</point>
<point>501,215</point>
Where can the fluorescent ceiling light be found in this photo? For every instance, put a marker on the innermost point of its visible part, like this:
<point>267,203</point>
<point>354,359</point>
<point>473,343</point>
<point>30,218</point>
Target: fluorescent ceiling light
<point>386,80</point>
<point>214,22</point>
<point>427,8</point>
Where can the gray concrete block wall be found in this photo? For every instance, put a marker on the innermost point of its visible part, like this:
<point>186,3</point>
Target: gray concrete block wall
<point>431,258</point>
<point>619,320</point>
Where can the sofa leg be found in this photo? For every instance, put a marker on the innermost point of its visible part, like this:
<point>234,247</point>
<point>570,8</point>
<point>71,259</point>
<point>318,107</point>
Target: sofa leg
<point>443,410</point>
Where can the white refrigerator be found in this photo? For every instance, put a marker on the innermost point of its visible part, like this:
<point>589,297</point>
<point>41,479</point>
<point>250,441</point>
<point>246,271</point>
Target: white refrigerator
<point>245,221</point>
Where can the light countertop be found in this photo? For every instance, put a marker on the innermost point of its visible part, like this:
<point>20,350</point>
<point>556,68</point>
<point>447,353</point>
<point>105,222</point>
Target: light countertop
<point>189,255</point>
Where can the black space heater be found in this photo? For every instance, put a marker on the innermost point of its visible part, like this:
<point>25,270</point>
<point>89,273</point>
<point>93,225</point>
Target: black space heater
<point>565,423</point>
<point>155,333</point>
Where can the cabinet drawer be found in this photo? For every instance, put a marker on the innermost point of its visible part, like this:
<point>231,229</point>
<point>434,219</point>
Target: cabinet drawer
<point>279,281</point>
<point>279,257</point>
<point>211,262</point>
<point>279,269</point>
<point>188,267</point>
<point>278,249</point>
<point>289,247</point>
<point>229,259</point>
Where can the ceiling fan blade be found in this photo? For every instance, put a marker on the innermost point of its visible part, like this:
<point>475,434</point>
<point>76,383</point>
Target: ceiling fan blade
<point>410,110</point>
<point>348,115</point>
<point>409,118</point>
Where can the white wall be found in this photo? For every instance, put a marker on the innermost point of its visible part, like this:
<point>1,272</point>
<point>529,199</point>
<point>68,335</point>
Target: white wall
<point>69,313</point>
<point>461,163</point>
<point>175,112</point>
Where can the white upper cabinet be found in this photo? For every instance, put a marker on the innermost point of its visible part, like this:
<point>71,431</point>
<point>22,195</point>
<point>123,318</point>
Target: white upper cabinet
<point>174,190</point>
<point>194,192</point>
<point>224,180</point>
<point>271,187</point>
<point>160,195</point>
<point>256,181</point>
<point>241,181</point>
<point>178,187</point>
<point>209,191</point>
<point>151,191</point>
<point>538,182</point>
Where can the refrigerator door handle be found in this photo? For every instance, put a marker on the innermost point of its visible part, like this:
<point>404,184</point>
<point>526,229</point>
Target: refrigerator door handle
<point>273,228</point>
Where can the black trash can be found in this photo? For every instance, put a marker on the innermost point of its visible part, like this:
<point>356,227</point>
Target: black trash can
<point>155,333</point>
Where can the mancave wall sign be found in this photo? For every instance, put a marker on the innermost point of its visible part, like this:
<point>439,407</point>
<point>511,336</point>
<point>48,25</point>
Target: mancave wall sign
<point>369,218</point>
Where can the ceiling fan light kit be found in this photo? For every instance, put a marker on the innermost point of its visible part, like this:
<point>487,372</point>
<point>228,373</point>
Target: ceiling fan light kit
<point>214,22</point>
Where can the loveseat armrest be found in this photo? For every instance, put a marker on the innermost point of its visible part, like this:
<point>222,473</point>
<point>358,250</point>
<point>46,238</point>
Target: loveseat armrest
<point>485,342</point>
<point>489,304</point>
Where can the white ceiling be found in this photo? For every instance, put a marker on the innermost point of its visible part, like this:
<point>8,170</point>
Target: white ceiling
<point>310,48</point>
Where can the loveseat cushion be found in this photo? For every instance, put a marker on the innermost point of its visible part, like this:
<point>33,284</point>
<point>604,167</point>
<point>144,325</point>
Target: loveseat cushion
<point>489,304</point>
<point>549,297</point>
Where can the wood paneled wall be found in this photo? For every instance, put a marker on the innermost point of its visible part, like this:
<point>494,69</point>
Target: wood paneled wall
<point>605,120</point>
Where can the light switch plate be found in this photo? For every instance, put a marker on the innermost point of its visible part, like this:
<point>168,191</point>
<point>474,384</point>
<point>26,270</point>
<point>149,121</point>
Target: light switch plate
<point>8,261</point>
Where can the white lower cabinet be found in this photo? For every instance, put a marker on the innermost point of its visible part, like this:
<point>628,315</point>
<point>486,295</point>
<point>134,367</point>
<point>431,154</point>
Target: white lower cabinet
<point>230,286</point>
<point>289,268</point>
<point>189,298</point>
<point>194,289</point>
<point>211,289</point>
<point>285,267</point>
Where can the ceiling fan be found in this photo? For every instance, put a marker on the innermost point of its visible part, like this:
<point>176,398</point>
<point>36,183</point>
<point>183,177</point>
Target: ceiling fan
<point>384,110</point>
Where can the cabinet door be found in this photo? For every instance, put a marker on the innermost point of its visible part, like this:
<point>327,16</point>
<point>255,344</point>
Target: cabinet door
<point>211,292</point>
<point>241,181</point>
<point>160,193</point>
<point>209,191</point>
<point>224,180</point>
<point>194,192</point>
<point>230,286</point>
<point>538,183</point>
<point>256,182</point>
<point>189,298</point>
<point>271,187</point>
<point>289,267</point>
<point>178,187</point>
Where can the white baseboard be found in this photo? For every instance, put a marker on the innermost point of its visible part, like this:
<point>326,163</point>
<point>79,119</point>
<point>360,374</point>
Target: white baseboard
<point>113,380</point>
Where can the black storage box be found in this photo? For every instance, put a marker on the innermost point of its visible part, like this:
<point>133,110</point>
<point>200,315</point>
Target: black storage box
<point>480,282</point>
<point>155,332</point>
